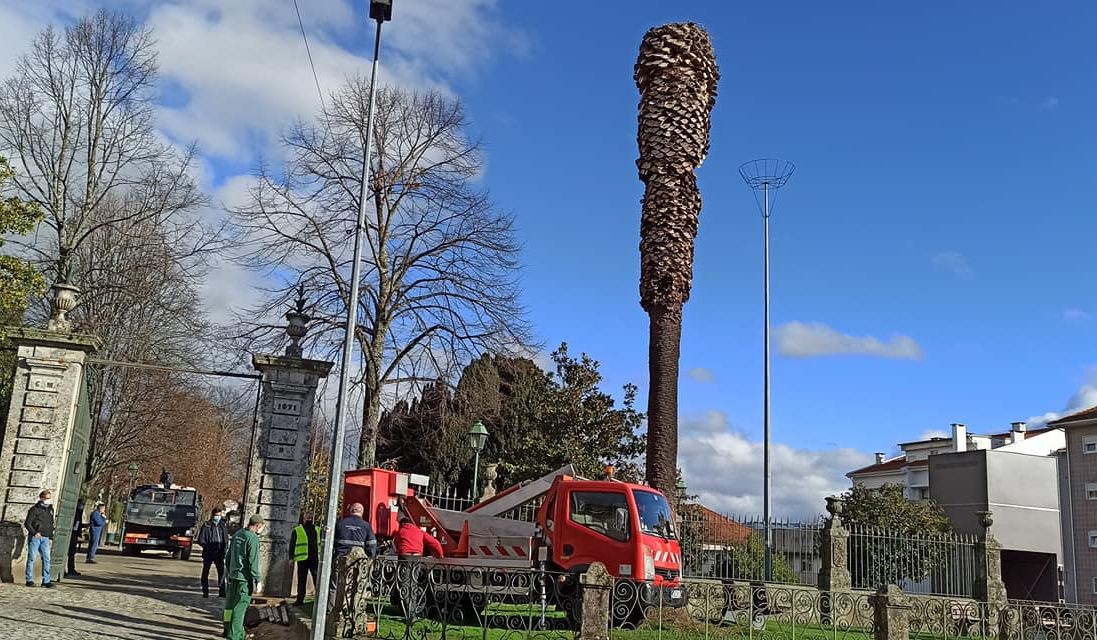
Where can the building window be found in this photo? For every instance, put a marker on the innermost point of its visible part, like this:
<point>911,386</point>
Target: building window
<point>1091,491</point>
<point>1095,585</point>
<point>1093,539</point>
<point>1089,444</point>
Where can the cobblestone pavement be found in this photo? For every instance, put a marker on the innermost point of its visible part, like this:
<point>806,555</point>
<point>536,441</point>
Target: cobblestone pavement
<point>151,597</point>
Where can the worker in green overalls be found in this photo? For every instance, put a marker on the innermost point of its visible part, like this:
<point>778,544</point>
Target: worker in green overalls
<point>243,576</point>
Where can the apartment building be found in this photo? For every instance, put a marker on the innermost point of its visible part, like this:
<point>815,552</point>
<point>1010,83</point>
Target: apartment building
<point>1078,491</point>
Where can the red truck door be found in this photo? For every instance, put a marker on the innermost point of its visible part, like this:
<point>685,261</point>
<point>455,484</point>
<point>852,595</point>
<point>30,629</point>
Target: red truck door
<point>595,525</point>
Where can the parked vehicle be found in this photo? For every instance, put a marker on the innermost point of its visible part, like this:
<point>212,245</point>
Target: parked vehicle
<point>163,517</point>
<point>627,527</point>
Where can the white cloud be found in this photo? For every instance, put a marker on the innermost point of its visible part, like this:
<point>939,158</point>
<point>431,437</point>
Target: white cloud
<point>953,262</point>
<point>702,375</point>
<point>1084,398</point>
<point>934,433</point>
<point>1049,103</point>
<point>237,73</point>
<point>809,340</point>
<point>1072,314</point>
<point>241,70</point>
<point>724,469</point>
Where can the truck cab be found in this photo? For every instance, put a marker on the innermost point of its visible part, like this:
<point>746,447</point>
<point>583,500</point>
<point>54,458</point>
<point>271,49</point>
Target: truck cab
<point>627,527</point>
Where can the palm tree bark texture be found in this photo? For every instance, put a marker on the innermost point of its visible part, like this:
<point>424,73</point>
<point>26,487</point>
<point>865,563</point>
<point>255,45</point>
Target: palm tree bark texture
<point>676,74</point>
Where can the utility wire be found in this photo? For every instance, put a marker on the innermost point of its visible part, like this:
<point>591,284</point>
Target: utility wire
<point>315,78</point>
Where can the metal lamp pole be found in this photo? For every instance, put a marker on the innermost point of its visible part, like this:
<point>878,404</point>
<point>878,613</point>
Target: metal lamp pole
<point>767,498</point>
<point>381,11</point>
<point>478,436</point>
<point>764,176</point>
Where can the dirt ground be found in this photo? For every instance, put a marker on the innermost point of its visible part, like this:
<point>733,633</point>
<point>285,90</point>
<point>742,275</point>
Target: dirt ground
<point>151,597</point>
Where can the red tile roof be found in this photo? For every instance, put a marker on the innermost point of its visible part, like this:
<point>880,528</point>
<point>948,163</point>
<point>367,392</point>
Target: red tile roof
<point>1086,414</point>
<point>889,465</point>
<point>716,528</point>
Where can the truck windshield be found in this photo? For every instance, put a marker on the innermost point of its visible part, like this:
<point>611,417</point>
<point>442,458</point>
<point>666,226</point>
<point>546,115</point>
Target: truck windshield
<point>164,497</point>
<point>654,514</point>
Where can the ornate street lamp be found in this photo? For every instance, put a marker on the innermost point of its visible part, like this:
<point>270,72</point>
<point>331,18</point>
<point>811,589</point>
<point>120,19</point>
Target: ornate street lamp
<point>132,471</point>
<point>478,437</point>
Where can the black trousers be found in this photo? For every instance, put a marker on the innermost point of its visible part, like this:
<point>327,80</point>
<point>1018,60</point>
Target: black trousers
<point>74,544</point>
<point>218,560</point>
<point>305,568</point>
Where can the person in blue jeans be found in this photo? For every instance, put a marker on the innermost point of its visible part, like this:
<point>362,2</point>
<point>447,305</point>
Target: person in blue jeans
<point>39,524</point>
<point>95,530</point>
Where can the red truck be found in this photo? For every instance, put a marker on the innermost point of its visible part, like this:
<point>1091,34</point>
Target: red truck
<point>627,527</point>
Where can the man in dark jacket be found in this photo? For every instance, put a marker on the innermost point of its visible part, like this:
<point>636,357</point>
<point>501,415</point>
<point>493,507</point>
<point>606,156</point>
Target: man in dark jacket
<point>39,524</point>
<point>74,540</point>
<point>213,538</point>
<point>351,531</point>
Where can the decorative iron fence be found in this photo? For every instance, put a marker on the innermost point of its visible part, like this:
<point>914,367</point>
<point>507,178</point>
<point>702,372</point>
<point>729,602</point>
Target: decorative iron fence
<point>942,618</point>
<point>937,564</point>
<point>726,547</point>
<point>421,599</point>
<point>416,598</point>
<point>711,609</point>
<point>449,499</point>
<point>1022,620</point>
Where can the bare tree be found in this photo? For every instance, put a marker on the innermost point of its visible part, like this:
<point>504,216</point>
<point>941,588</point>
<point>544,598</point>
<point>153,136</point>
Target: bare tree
<point>120,216</point>
<point>440,273</point>
<point>78,119</point>
<point>141,298</point>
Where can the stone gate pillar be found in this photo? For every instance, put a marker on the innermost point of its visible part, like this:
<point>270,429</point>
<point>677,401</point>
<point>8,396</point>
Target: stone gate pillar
<point>39,433</point>
<point>276,470</point>
<point>834,548</point>
<point>989,586</point>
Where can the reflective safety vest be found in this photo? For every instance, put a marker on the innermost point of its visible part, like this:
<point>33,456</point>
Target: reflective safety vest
<point>301,548</point>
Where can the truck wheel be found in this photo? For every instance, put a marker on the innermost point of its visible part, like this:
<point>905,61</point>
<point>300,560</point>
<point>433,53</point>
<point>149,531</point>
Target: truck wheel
<point>184,554</point>
<point>175,554</point>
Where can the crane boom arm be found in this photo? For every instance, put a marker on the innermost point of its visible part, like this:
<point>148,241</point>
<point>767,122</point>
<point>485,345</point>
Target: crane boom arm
<point>520,494</point>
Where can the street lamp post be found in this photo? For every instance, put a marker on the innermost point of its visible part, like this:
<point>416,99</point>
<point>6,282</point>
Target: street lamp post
<point>380,11</point>
<point>131,470</point>
<point>478,437</point>
<point>765,177</point>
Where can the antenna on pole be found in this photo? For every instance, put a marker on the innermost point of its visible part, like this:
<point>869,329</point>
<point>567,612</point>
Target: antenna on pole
<point>765,177</point>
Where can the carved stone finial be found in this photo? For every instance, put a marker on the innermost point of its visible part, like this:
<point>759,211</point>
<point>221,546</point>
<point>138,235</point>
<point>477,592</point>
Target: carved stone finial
<point>298,324</point>
<point>62,301</point>
<point>834,506</point>
<point>986,519</point>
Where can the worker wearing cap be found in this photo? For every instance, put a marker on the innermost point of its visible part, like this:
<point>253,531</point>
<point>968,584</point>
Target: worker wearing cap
<point>411,541</point>
<point>243,576</point>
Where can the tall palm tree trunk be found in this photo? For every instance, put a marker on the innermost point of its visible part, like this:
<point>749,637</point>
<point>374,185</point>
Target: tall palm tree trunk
<point>676,74</point>
<point>664,341</point>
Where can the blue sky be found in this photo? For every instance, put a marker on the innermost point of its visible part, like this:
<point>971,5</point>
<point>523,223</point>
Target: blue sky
<point>942,193</point>
<point>943,202</point>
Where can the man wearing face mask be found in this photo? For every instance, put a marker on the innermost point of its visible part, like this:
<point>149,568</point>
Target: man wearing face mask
<point>243,576</point>
<point>213,538</point>
<point>39,524</point>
